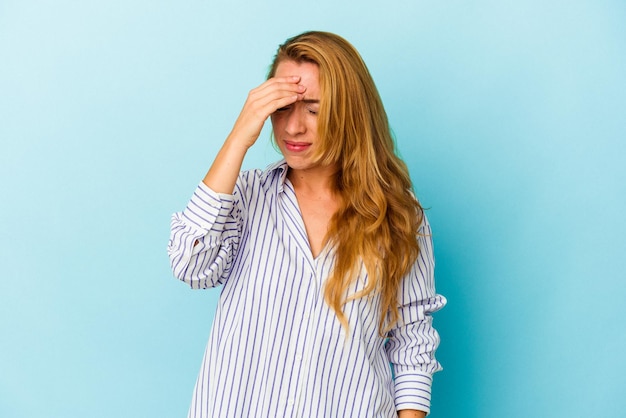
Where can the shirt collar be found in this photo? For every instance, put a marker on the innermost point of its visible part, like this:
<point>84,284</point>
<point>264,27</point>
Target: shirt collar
<point>279,169</point>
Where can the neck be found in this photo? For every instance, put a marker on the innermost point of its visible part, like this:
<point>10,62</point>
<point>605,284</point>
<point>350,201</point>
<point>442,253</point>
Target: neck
<point>318,180</point>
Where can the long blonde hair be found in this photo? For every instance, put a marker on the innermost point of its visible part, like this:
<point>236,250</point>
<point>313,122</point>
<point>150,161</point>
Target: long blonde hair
<point>378,218</point>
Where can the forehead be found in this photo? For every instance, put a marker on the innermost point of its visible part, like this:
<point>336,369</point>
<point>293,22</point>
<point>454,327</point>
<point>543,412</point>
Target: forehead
<point>307,71</point>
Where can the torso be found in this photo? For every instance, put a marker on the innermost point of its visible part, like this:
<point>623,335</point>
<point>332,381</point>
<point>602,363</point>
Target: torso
<point>272,322</point>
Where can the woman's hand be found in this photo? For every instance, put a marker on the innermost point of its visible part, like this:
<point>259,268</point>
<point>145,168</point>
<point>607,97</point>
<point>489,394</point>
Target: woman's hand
<point>262,101</point>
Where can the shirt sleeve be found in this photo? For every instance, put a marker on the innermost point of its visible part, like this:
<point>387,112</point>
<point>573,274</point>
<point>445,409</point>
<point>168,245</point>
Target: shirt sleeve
<point>204,238</point>
<point>412,343</point>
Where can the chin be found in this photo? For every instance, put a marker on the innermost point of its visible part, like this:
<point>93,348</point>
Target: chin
<point>298,165</point>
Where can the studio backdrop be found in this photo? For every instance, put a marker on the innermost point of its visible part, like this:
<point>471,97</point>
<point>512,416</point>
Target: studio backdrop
<point>510,115</point>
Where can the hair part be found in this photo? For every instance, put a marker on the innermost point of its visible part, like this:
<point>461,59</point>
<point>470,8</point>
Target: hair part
<point>378,218</point>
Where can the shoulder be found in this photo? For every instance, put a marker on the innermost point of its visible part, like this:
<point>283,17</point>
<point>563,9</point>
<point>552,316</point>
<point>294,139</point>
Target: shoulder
<point>273,177</point>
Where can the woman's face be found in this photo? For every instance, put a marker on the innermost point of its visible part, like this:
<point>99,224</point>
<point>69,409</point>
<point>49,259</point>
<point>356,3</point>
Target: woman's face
<point>295,126</point>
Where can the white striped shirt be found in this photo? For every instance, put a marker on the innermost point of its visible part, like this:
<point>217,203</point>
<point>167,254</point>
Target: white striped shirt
<point>276,348</point>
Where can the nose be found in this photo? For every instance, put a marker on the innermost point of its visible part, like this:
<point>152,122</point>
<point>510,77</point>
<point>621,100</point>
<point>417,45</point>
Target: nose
<point>294,125</point>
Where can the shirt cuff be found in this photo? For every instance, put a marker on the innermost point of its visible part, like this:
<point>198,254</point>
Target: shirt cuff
<point>412,391</point>
<point>207,209</point>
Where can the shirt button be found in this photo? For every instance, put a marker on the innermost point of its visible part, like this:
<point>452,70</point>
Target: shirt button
<point>306,316</point>
<point>290,402</point>
<point>298,357</point>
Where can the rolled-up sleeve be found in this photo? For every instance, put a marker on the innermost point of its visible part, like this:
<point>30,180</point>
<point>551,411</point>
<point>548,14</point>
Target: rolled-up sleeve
<point>412,343</point>
<point>204,238</point>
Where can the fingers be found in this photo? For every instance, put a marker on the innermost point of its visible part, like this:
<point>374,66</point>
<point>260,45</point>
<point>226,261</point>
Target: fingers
<point>276,93</point>
<point>286,83</point>
<point>262,101</point>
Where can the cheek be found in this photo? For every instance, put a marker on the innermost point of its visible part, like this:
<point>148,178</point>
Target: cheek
<point>313,126</point>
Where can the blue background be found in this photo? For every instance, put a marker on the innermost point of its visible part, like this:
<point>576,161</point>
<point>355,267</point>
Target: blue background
<point>510,114</point>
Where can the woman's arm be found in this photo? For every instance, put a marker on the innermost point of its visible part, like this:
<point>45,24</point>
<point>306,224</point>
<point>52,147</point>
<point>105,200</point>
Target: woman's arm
<point>261,103</point>
<point>412,342</point>
<point>204,237</point>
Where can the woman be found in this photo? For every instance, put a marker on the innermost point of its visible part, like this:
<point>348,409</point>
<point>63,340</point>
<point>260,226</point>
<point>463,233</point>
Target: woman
<point>325,257</point>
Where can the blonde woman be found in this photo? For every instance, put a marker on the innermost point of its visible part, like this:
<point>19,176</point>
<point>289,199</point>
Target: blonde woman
<point>325,257</point>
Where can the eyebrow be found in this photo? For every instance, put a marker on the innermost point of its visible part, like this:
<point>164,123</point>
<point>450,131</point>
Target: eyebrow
<point>310,100</point>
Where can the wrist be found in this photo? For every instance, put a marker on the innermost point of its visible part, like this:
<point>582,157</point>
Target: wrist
<point>235,144</point>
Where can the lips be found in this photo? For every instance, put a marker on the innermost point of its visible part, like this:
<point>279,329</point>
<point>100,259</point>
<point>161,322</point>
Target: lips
<point>297,146</point>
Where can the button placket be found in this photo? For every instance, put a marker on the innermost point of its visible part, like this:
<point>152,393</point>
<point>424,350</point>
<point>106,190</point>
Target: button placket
<point>293,399</point>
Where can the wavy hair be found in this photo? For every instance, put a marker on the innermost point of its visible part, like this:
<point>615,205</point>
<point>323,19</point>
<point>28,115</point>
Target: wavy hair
<point>378,218</point>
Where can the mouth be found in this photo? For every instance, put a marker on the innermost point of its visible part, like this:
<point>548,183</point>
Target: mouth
<point>297,146</point>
